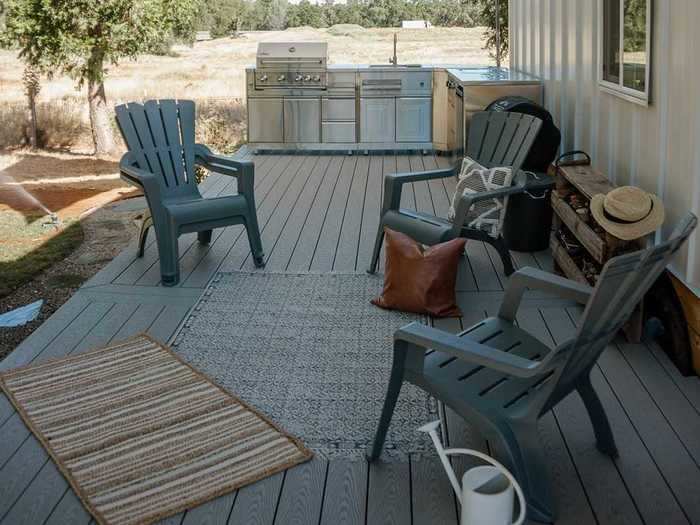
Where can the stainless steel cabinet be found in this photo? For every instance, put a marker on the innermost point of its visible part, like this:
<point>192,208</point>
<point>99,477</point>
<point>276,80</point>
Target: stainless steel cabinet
<point>413,119</point>
<point>302,119</point>
<point>265,120</point>
<point>377,119</point>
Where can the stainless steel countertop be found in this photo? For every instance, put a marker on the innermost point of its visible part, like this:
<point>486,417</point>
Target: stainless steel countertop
<point>466,75</point>
<point>490,75</point>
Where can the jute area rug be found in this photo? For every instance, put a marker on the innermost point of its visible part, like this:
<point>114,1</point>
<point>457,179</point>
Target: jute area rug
<point>140,435</point>
<point>310,352</point>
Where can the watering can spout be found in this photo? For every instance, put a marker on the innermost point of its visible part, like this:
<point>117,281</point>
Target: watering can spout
<point>430,427</point>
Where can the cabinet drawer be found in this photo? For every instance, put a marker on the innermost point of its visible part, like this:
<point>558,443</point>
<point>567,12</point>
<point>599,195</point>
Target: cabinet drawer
<point>338,132</point>
<point>341,80</point>
<point>338,109</point>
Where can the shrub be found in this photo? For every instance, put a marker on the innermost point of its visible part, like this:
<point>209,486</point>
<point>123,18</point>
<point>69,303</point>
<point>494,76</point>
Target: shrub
<point>221,124</point>
<point>60,124</point>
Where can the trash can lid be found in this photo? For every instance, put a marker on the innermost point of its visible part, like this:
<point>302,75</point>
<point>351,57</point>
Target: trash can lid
<point>538,181</point>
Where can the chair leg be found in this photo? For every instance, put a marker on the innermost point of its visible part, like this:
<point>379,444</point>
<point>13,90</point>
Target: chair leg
<point>253,232</point>
<point>524,455</point>
<point>392,395</point>
<point>169,257</point>
<point>605,441</point>
<point>504,253</point>
<point>377,250</point>
<point>146,223</point>
<point>204,237</point>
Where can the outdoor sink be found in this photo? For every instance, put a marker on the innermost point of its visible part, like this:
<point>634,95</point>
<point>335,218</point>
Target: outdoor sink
<point>398,66</point>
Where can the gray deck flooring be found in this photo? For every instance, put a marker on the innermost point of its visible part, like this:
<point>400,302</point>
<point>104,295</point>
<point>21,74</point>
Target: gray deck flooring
<point>320,213</point>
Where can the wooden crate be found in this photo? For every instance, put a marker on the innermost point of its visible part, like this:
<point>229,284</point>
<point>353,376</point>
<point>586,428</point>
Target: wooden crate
<point>586,181</point>
<point>590,240</point>
<point>582,179</point>
<point>564,261</point>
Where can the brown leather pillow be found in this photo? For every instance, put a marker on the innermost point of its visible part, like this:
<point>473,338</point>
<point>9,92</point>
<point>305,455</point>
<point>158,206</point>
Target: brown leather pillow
<point>418,280</point>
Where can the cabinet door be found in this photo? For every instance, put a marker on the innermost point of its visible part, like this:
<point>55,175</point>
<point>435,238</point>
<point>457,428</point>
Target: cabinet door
<point>302,119</point>
<point>413,119</point>
<point>378,120</point>
<point>265,120</point>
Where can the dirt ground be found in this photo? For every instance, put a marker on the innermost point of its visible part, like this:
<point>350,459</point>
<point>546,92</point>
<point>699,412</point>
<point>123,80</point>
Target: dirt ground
<point>108,227</point>
<point>75,188</point>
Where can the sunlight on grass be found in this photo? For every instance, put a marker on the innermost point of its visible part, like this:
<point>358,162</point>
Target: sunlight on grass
<point>29,247</point>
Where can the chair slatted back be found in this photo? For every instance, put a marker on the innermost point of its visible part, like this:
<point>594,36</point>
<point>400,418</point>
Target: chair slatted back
<point>160,136</point>
<point>501,139</point>
<point>621,286</point>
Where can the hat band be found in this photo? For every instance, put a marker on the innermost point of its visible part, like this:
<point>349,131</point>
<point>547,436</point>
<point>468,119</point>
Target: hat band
<point>614,219</point>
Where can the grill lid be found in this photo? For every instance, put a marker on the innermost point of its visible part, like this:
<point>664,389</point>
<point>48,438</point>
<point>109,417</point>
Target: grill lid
<point>271,54</point>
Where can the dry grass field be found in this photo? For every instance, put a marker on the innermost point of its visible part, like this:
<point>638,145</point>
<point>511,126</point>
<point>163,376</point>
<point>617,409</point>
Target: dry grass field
<point>216,68</point>
<point>213,74</point>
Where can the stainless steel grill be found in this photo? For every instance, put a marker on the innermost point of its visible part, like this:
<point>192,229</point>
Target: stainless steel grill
<point>295,65</point>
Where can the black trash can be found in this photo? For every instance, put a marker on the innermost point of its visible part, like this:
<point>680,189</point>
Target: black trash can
<point>546,145</point>
<point>529,217</point>
<point>528,222</point>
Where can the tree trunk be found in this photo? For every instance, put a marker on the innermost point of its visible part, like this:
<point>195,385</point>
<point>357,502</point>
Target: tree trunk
<point>30,78</point>
<point>100,121</point>
<point>31,120</point>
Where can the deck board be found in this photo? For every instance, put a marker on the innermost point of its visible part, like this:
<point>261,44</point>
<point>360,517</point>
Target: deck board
<point>345,497</point>
<point>321,213</point>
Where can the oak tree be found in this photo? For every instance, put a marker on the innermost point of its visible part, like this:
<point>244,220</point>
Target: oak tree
<point>81,37</point>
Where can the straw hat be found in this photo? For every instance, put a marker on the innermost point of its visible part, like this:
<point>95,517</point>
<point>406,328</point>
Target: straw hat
<point>628,212</point>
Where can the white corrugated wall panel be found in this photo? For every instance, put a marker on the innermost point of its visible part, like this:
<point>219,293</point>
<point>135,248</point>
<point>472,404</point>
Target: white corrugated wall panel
<point>655,147</point>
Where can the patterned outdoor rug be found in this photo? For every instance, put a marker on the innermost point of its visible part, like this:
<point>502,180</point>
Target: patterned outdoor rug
<point>140,435</point>
<point>310,352</point>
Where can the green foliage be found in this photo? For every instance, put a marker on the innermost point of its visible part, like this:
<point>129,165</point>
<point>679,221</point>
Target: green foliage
<point>78,36</point>
<point>488,17</point>
<point>221,17</point>
<point>279,14</point>
<point>635,25</point>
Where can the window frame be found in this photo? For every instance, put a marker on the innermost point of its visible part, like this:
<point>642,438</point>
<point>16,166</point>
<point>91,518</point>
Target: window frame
<point>619,89</point>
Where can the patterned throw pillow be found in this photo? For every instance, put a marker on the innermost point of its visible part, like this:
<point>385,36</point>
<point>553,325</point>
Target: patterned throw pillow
<point>485,215</point>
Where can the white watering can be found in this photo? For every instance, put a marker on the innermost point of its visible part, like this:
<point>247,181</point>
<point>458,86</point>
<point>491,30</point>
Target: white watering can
<point>487,492</point>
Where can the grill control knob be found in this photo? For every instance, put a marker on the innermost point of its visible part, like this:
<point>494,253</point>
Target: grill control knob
<point>307,78</point>
<point>317,78</point>
<point>263,78</point>
<point>281,78</point>
<point>297,78</point>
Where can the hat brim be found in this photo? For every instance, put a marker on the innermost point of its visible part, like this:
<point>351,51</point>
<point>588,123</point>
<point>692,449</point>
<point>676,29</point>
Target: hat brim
<point>631,231</point>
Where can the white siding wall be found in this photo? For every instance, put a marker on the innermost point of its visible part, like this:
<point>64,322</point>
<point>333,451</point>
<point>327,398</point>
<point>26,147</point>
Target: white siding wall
<point>655,147</point>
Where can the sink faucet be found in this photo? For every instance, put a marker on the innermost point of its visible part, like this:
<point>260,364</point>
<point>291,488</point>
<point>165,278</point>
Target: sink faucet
<point>393,60</point>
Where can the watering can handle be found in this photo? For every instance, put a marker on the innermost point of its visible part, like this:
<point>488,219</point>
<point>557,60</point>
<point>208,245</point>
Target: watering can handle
<point>432,428</point>
<point>504,471</point>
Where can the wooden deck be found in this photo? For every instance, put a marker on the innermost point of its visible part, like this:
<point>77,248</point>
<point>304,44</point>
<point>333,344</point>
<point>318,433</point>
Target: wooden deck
<point>320,213</point>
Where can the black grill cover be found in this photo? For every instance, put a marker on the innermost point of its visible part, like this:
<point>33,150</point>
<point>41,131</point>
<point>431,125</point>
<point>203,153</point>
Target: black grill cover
<point>546,145</point>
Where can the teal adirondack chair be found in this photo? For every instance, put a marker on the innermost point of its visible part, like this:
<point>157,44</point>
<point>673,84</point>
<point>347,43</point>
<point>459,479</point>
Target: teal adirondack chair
<point>161,160</point>
<point>503,380</point>
<point>495,140</point>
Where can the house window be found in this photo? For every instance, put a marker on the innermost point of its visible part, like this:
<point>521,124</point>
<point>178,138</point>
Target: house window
<point>626,47</point>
